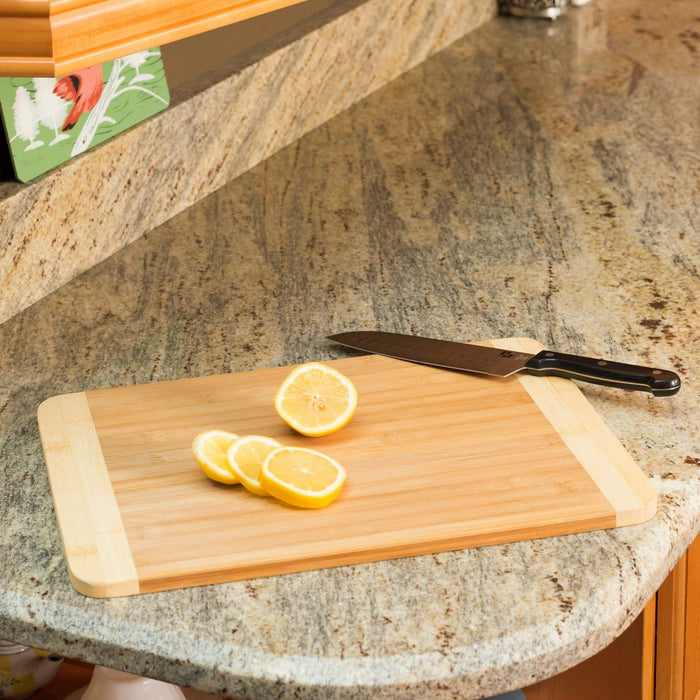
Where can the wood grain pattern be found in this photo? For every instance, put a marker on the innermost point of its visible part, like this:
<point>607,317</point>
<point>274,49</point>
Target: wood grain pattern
<point>436,460</point>
<point>59,36</point>
<point>678,630</point>
<point>585,433</point>
<point>649,650</point>
<point>670,634</point>
<point>691,679</point>
<point>97,552</point>
<point>618,672</point>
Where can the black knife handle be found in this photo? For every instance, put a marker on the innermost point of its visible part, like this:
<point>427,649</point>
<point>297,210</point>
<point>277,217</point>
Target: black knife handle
<point>660,382</point>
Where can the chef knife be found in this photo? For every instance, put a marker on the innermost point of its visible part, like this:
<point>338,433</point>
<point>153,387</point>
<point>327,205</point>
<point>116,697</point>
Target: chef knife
<point>485,360</point>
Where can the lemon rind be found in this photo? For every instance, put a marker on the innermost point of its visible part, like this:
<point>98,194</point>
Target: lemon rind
<point>214,473</point>
<point>316,498</point>
<point>223,476</point>
<point>328,428</point>
<point>251,485</point>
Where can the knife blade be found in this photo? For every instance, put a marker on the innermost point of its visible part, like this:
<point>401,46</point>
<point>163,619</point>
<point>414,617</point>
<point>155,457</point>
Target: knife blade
<point>467,357</point>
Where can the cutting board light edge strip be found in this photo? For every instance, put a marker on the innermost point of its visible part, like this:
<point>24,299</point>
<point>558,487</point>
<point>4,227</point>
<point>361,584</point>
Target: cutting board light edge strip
<point>97,551</point>
<point>611,467</point>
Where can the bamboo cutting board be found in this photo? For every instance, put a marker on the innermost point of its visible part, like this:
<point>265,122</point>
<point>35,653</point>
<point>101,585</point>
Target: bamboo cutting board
<point>436,460</point>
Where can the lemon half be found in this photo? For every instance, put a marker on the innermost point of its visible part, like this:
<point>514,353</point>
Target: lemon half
<point>316,399</point>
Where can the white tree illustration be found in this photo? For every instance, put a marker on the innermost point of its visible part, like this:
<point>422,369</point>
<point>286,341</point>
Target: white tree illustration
<point>52,109</point>
<point>135,61</point>
<point>98,115</point>
<point>26,118</point>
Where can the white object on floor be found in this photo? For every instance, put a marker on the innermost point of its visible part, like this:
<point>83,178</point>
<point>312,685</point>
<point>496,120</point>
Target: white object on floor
<point>108,684</point>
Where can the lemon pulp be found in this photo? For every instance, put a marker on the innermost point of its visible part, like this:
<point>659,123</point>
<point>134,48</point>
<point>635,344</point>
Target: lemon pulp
<point>316,399</point>
<point>209,449</point>
<point>245,457</point>
<point>302,477</point>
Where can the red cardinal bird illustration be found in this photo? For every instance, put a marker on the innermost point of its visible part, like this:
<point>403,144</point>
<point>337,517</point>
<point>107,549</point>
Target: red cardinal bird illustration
<point>84,88</point>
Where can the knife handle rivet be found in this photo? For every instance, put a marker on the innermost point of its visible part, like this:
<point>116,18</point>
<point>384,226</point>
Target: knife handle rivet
<point>656,371</point>
<point>549,354</point>
<point>602,363</point>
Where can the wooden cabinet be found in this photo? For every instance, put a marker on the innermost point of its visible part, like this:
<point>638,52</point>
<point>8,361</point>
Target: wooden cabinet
<point>656,658</point>
<point>622,671</point>
<point>678,630</point>
<point>53,37</point>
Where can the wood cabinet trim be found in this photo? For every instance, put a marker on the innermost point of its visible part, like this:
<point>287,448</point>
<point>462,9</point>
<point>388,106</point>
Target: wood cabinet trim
<point>649,650</point>
<point>24,8</point>
<point>678,630</point>
<point>670,634</point>
<point>54,37</point>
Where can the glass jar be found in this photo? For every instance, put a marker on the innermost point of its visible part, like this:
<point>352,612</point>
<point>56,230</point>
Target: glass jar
<point>24,670</point>
<point>547,9</point>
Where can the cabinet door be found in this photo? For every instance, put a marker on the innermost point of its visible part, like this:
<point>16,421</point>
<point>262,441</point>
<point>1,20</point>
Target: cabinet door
<point>624,670</point>
<point>678,630</point>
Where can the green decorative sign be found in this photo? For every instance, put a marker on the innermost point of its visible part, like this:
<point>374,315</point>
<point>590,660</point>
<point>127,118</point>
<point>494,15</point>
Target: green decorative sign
<point>48,121</point>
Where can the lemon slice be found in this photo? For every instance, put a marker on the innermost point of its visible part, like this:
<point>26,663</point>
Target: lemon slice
<point>246,455</point>
<point>316,400</point>
<point>302,477</point>
<point>209,450</point>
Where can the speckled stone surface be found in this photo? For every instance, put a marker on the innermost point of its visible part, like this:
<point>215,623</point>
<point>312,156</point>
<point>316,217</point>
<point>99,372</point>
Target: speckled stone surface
<point>218,126</point>
<point>533,179</point>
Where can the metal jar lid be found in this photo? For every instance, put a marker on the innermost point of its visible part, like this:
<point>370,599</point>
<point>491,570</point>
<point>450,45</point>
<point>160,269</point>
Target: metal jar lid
<point>10,648</point>
<point>547,9</point>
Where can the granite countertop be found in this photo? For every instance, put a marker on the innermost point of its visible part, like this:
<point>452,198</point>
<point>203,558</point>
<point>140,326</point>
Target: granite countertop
<point>533,179</point>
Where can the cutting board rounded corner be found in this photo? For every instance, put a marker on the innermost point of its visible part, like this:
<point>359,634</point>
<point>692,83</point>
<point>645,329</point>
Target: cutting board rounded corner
<point>95,587</point>
<point>645,511</point>
<point>650,509</point>
<point>48,407</point>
